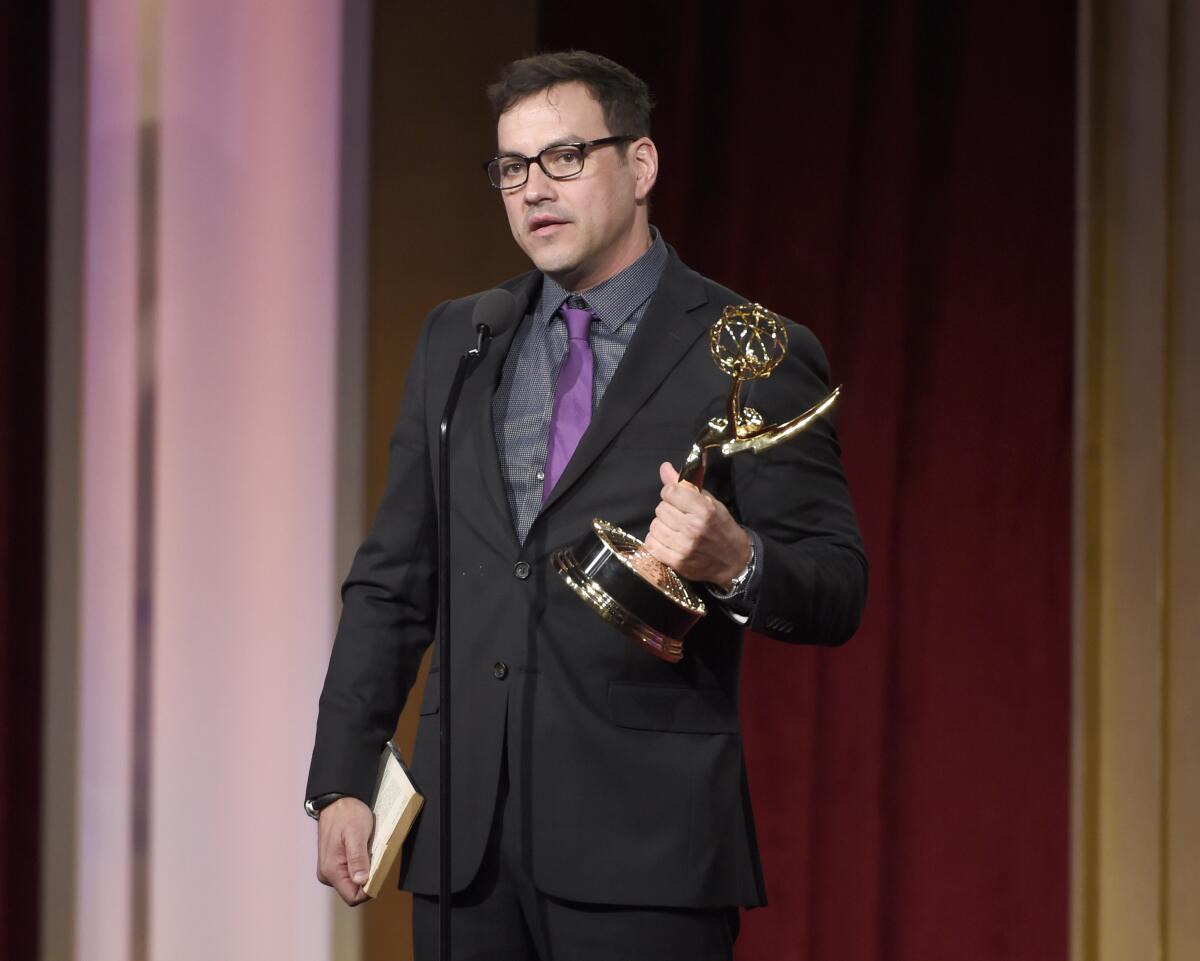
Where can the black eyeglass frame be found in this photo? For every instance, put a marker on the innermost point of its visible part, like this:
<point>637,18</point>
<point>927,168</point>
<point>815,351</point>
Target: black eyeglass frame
<point>582,146</point>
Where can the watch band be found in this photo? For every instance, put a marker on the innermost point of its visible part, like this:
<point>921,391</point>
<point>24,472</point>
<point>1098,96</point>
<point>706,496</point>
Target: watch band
<point>315,805</point>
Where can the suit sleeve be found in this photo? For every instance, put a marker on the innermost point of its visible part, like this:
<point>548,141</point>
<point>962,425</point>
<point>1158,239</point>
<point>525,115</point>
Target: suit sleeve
<point>389,608</point>
<point>795,498</point>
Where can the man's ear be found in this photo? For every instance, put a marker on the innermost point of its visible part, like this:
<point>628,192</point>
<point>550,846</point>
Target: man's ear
<point>645,165</point>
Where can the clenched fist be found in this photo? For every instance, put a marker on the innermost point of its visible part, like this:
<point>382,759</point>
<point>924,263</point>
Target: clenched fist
<point>694,533</point>
<point>343,845</point>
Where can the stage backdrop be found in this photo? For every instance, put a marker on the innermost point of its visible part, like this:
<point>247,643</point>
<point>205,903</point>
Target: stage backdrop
<point>899,177</point>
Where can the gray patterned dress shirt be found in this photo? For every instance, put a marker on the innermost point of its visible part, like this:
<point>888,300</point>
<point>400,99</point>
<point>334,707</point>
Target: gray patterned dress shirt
<point>524,400</point>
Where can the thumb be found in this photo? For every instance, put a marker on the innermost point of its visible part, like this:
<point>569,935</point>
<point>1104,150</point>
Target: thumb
<point>357,862</point>
<point>667,474</point>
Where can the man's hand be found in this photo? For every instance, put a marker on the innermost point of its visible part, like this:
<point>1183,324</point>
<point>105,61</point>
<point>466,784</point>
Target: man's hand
<point>343,835</point>
<point>694,533</point>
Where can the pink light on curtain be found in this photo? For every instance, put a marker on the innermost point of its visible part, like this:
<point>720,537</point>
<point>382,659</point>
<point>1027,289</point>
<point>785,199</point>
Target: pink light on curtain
<point>244,537</point>
<point>107,489</point>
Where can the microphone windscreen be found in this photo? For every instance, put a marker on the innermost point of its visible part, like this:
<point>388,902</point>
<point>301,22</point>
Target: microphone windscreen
<point>496,310</point>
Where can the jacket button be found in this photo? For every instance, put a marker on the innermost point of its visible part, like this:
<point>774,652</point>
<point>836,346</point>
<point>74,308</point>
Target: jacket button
<point>521,569</point>
<point>500,671</point>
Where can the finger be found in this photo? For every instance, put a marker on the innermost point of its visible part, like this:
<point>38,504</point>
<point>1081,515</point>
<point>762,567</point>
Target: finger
<point>348,891</point>
<point>330,870</point>
<point>687,498</point>
<point>695,564</point>
<point>667,473</point>
<point>658,544</point>
<point>670,548</point>
<point>680,540</point>
<point>661,552</point>
<point>670,517</point>
<point>357,861</point>
<point>326,865</point>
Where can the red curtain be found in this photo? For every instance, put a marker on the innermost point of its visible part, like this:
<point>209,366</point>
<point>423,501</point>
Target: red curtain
<point>899,177</point>
<point>24,60</point>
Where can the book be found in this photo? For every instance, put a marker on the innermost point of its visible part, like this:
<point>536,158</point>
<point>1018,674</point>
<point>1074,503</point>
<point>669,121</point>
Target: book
<point>396,805</point>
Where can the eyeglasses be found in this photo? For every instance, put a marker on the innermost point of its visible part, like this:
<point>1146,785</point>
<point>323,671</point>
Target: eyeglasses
<point>558,162</point>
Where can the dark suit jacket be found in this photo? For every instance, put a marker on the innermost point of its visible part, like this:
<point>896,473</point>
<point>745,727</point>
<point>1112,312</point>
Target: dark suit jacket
<point>628,770</point>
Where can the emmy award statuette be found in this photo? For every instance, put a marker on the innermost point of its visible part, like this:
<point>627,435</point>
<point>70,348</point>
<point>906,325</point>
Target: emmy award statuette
<point>611,570</point>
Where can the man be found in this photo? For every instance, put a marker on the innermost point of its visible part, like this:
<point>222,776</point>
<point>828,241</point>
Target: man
<point>600,800</point>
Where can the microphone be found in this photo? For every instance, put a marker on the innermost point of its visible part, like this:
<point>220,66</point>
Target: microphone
<point>495,311</point>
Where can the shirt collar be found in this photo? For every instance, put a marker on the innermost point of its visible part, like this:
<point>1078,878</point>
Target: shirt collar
<point>615,300</point>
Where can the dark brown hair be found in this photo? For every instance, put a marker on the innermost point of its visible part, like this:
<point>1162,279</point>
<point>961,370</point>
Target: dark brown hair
<point>623,97</point>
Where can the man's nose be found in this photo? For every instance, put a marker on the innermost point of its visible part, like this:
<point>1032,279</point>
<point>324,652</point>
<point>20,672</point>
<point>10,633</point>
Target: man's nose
<point>538,186</point>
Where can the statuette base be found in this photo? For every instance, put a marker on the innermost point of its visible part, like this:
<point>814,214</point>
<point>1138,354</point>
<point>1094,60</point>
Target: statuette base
<point>614,574</point>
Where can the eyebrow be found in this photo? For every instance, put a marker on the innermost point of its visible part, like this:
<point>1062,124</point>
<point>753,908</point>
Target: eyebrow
<point>560,142</point>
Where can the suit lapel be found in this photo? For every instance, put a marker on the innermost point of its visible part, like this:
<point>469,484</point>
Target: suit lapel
<point>476,404</point>
<point>665,333</point>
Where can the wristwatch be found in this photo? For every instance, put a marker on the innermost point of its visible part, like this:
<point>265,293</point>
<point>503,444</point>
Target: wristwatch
<point>739,583</point>
<point>315,805</point>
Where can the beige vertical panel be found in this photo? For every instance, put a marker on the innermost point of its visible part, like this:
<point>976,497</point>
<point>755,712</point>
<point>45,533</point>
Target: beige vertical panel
<point>245,470</point>
<point>355,204</point>
<point>1131,490</point>
<point>1183,538</point>
<point>437,231</point>
<point>1137,541</point>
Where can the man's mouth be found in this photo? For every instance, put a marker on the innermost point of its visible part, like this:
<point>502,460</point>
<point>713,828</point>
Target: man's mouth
<point>544,226</point>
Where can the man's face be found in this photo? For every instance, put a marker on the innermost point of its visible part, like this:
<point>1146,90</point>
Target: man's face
<point>584,230</point>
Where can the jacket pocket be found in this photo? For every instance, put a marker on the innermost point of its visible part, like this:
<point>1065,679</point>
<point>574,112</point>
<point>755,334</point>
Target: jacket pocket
<point>659,707</point>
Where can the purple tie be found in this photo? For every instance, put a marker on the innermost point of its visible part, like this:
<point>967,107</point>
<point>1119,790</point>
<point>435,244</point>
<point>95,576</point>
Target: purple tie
<point>572,396</point>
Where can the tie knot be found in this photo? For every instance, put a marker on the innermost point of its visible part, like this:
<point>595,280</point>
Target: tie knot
<point>578,319</point>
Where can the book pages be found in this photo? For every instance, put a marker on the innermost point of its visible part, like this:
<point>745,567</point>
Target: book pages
<point>396,805</point>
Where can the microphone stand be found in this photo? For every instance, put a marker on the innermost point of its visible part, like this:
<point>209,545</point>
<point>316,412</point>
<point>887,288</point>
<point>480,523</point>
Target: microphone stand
<point>465,363</point>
